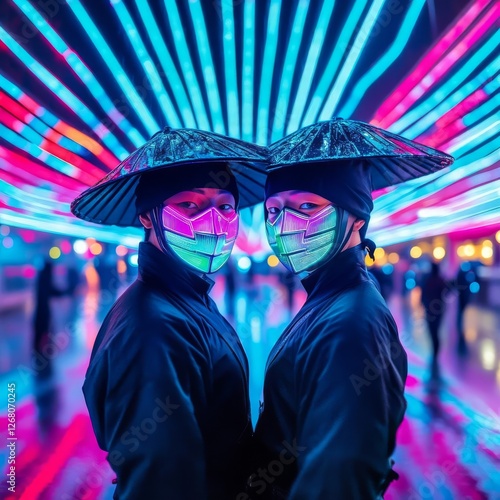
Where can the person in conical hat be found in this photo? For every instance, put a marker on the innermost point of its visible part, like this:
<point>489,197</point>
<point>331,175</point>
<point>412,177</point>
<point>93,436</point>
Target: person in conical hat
<point>167,383</point>
<point>333,394</point>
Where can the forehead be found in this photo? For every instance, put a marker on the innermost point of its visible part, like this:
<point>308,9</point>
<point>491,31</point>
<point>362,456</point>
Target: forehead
<point>295,194</point>
<point>208,192</point>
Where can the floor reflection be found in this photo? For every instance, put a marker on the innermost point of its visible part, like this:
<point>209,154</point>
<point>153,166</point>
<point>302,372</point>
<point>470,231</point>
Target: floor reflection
<point>448,445</point>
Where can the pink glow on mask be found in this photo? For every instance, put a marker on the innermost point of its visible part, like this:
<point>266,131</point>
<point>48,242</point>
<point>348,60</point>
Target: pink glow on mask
<point>210,221</point>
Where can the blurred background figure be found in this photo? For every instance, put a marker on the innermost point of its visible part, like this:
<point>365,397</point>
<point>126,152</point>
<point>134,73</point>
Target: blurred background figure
<point>230,290</point>
<point>465,276</point>
<point>434,291</point>
<point>42,319</point>
<point>289,281</point>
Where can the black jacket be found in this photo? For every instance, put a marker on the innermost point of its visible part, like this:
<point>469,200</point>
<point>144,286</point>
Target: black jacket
<point>333,391</point>
<point>167,388</point>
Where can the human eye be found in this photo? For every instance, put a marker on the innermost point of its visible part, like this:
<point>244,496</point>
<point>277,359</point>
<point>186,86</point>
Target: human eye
<point>190,205</point>
<point>273,210</point>
<point>226,206</point>
<point>308,206</point>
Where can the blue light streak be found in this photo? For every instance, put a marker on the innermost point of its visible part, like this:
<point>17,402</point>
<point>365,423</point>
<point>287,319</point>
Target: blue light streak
<point>266,78</point>
<point>334,62</point>
<point>289,68</point>
<point>384,62</point>
<point>207,64</point>
<point>232,99</point>
<point>352,58</point>
<point>186,63</point>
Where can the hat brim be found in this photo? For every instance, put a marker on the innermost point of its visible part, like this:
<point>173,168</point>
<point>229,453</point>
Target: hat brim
<point>114,202</point>
<point>392,159</point>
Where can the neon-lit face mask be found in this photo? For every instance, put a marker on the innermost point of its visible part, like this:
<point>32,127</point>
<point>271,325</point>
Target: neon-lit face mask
<point>301,242</point>
<point>204,241</point>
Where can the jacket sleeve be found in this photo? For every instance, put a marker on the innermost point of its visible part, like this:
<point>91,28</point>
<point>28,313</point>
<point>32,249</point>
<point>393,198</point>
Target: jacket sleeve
<point>343,419</point>
<point>153,398</point>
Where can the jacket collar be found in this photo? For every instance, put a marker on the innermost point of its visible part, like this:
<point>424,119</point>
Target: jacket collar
<point>169,273</point>
<point>343,271</point>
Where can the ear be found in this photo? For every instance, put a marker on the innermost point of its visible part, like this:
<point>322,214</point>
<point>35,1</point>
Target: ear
<point>358,224</point>
<point>146,221</point>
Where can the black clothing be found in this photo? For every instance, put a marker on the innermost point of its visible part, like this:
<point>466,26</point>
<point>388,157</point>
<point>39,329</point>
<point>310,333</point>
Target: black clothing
<point>434,291</point>
<point>167,388</point>
<point>333,391</point>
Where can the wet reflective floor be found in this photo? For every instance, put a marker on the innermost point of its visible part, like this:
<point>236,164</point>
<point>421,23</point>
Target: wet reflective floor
<point>448,445</point>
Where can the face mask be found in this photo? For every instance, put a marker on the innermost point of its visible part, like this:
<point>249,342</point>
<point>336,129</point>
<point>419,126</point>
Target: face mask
<point>301,242</point>
<point>204,241</point>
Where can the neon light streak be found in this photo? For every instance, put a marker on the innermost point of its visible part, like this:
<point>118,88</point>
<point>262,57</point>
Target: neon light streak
<point>464,167</point>
<point>52,161</point>
<point>207,64</point>
<point>449,103</point>
<point>87,169</point>
<point>232,99</point>
<point>334,62</point>
<point>267,71</point>
<point>72,227</point>
<point>186,64</point>
<point>488,107</point>
<point>384,62</point>
<point>80,70</point>
<point>393,108</point>
<point>63,128</point>
<point>452,83</point>
<point>144,59</point>
<point>31,196</point>
<point>96,38</point>
<point>61,91</point>
<point>289,69</point>
<point>30,171</point>
<point>168,66</point>
<point>33,122</point>
<point>310,66</point>
<point>345,73</point>
<point>483,131</point>
<point>248,70</point>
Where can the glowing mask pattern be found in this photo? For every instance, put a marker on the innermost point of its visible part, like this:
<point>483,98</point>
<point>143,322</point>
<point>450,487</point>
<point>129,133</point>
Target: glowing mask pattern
<point>204,241</point>
<point>301,241</point>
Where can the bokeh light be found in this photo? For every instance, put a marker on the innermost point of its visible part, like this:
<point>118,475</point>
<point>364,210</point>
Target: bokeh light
<point>272,261</point>
<point>416,252</point>
<point>121,250</point>
<point>439,253</point>
<point>95,248</point>
<point>486,252</point>
<point>244,263</point>
<point>55,253</point>
<point>8,242</point>
<point>80,247</point>
<point>393,258</point>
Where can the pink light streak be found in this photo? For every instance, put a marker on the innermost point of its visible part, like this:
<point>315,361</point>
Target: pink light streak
<point>428,71</point>
<point>451,124</point>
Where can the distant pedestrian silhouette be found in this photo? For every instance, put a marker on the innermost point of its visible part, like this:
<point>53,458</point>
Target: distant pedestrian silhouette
<point>463,280</point>
<point>434,291</point>
<point>42,320</point>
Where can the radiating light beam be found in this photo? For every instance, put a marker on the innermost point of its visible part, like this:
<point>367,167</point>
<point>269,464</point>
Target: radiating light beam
<point>266,78</point>
<point>289,68</point>
<point>345,72</point>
